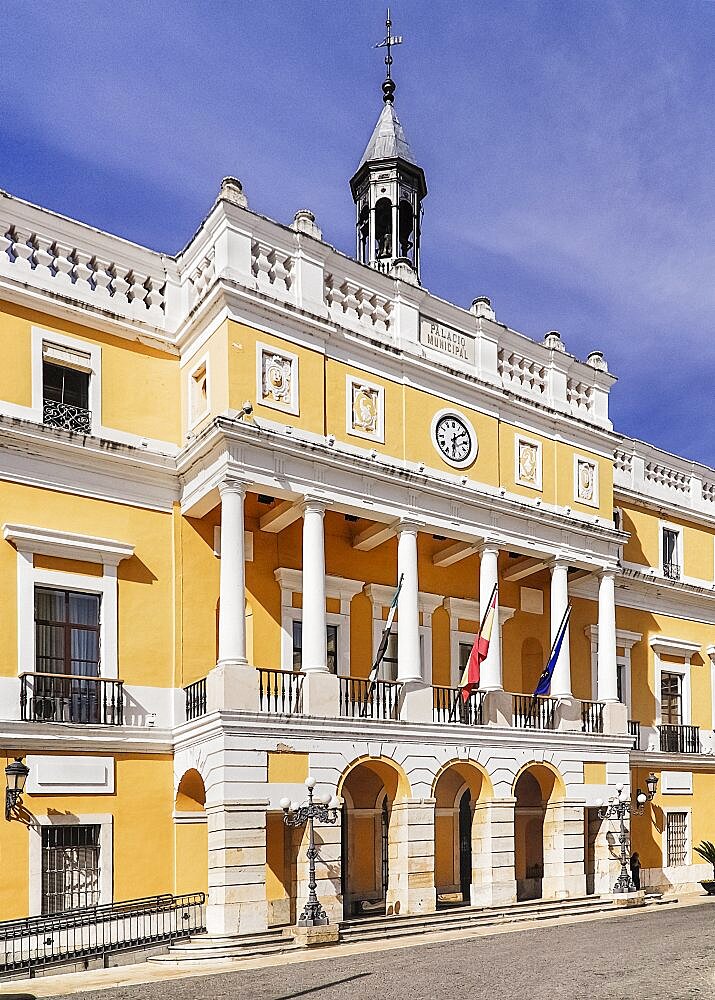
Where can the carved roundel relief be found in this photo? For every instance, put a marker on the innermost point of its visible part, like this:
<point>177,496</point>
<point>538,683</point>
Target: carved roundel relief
<point>454,438</point>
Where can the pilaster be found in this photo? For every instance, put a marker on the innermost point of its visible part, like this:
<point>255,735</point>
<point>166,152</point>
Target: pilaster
<point>493,877</point>
<point>411,887</point>
<point>237,867</point>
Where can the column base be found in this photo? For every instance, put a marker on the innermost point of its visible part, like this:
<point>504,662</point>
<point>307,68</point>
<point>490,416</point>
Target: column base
<point>321,694</point>
<point>416,702</point>
<point>493,894</point>
<point>568,714</point>
<point>497,708</point>
<point>232,687</point>
<point>615,719</point>
<point>228,919</point>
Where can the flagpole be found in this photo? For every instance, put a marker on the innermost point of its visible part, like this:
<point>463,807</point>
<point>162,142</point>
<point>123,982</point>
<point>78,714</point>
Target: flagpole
<point>381,650</point>
<point>557,638</point>
<point>478,636</point>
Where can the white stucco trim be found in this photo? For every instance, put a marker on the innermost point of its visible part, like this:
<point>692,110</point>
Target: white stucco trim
<point>106,854</point>
<point>625,640</point>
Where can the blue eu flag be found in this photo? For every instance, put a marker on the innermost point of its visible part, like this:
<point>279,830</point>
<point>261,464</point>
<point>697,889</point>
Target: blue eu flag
<point>544,682</point>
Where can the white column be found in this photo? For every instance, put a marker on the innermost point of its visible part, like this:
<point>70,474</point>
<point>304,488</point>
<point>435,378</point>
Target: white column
<point>315,652</point>
<point>607,674</point>
<point>232,583</point>
<point>561,679</point>
<point>491,674</point>
<point>409,665</point>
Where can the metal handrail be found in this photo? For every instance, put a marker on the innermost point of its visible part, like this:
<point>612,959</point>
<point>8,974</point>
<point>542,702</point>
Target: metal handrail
<point>533,713</point>
<point>31,943</point>
<point>679,738</point>
<point>75,698</point>
<point>449,706</point>
<point>634,730</point>
<point>592,716</point>
<point>280,691</point>
<point>362,698</point>
<point>195,694</point>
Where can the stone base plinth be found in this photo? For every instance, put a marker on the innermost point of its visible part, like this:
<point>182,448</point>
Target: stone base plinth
<point>315,937</point>
<point>629,898</point>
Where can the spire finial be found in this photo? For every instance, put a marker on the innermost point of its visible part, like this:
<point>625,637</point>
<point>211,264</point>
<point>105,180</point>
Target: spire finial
<point>388,86</point>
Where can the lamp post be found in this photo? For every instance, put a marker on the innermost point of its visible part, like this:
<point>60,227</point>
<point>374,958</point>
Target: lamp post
<point>15,778</point>
<point>325,810</point>
<point>618,807</point>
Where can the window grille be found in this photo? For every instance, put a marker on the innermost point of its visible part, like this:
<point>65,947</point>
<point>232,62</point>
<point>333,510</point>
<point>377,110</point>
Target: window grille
<point>70,867</point>
<point>676,839</point>
<point>65,396</point>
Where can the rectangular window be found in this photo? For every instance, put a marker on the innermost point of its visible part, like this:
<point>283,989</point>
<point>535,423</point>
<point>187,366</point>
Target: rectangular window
<point>620,682</point>
<point>389,662</point>
<point>671,699</point>
<point>70,867</point>
<point>465,649</point>
<point>671,555</point>
<point>331,638</point>
<point>66,632</point>
<point>65,397</point>
<point>676,839</point>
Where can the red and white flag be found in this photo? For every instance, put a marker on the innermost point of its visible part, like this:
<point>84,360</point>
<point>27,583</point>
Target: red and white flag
<point>472,671</point>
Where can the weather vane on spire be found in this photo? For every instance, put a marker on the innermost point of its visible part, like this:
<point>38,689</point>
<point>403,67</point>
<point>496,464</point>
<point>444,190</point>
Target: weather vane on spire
<point>388,87</point>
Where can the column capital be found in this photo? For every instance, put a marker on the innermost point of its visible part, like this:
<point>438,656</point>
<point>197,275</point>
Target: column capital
<point>607,572</point>
<point>314,503</point>
<point>560,561</point>
<point>232,485</point>
<point>408,527</point>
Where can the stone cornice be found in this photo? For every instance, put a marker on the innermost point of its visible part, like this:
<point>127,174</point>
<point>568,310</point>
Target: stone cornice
<point>44,737</point>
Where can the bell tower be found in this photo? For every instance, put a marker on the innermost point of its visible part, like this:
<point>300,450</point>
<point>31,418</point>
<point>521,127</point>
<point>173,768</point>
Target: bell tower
<point>388,185</point>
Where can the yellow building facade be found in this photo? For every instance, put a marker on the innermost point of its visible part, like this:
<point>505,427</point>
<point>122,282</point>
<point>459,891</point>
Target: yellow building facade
<point>214,470</point>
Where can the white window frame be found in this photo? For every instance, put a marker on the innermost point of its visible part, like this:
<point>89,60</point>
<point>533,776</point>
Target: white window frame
<point>381,598</point>
<point>294,407</point>
<point>663,645</point>
<point>41,337</point>
<point>520,439</point>
<point>30,541</point>
<point>625,640</point>
<point>191,386</point>
<point>351,381</point>
<point>106,855</point>
<point>337,588</point>
<point>596,484</point>
<point>678,530</point>
<point>688,837</point>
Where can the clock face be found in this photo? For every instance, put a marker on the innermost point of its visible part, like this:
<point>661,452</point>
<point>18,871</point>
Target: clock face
<point>453,438</point>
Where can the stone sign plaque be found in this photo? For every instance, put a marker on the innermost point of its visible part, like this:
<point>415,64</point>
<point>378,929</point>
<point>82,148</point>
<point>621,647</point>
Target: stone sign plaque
<point>446,340</point>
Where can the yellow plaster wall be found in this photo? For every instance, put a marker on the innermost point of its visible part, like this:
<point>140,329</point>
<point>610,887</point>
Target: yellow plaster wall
<point>191,852</point>
<point>644,545</point>
<point>140,384</point>
<point>594,772</point>
<point>565,488</point>
<point>145,585</point>
<point>216,349</point>
<point>287,767</point>
<point>508,437</point>
<point>277,875</point>
<point>444,873</point>
<point>143,837</point>
<point>648,829</point>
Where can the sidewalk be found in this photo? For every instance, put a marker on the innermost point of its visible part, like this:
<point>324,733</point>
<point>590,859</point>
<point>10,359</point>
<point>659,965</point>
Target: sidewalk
<point>149,972</point>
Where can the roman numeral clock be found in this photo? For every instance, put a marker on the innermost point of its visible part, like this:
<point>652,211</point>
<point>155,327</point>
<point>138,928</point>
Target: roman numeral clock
<point>454,438</point>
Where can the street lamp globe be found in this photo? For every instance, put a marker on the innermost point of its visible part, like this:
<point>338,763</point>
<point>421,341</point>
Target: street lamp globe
<point>310,781</point>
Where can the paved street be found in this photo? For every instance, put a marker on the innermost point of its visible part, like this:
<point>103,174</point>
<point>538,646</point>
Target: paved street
<point>668,954</point>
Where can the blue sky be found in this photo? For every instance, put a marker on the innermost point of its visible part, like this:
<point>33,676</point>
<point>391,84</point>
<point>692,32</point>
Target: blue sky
<point>569,149</point>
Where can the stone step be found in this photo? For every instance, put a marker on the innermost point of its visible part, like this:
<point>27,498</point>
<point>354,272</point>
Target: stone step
<point>206,949</point>
<point>391,927</point>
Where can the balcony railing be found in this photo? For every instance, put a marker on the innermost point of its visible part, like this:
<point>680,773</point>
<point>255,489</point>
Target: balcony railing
<point>70,418</point>
<point>533,713</point>
<point>679,739</point>
<point>634,730</point>
<point>671,571</point>
<point>448,706</point>
<point>359,698</point>
<point>71,698</point>
<point>592,716</point>
<point>280,692</point>
<point>195,699</point>
<point>34,943</point>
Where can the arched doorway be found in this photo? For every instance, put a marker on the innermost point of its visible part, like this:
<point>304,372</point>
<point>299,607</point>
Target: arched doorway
<point>369,791</point>
<point>462,792</point>
<point>536,788</point>
<point>191,835</point>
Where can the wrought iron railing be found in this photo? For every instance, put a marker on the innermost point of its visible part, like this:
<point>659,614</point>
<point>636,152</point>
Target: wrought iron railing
<point>71,418</point>
<point>679,739</point>
<point>195,699</point>
<point>634,730</point>
<point>361,698</point>
<point>34,943</point>
<point>533,713</point>
<point>671,571</point>
<point>592,716</point>
<point>71,698</point>
<point>449,706</point>
<point>280,692</point>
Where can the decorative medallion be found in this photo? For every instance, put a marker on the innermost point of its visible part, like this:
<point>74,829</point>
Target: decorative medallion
<point>586,481</point>
<point>277,376</point>
<point>529,464</point>
<point>365,409</point>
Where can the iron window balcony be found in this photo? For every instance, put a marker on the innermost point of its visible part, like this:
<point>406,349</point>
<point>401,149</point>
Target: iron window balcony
<point>71,698</point>
<point>671,571</point>
<point>66,416</point>
<point>679,739</point>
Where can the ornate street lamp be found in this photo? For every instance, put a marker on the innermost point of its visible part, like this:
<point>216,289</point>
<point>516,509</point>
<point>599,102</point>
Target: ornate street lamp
<point>618,807</point>
<point>325,810</point>
<point>15,778</point>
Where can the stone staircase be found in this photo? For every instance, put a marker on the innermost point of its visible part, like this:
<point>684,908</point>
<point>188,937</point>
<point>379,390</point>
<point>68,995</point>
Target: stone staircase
<point>463,917</point>
<point>203,948</point>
